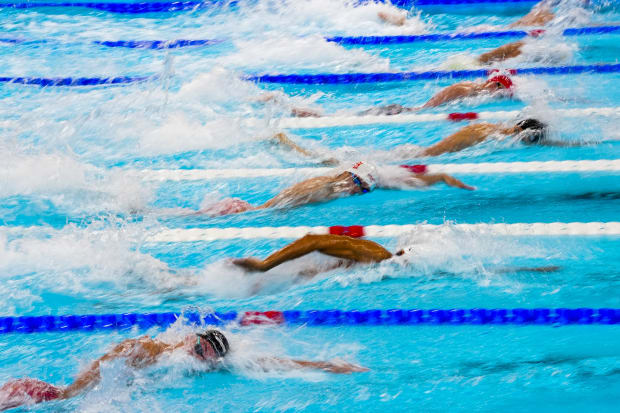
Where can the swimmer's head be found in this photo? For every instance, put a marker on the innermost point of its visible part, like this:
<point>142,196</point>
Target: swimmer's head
<point>499,83</point>
<point>531,131</point>
<point>211,344</point>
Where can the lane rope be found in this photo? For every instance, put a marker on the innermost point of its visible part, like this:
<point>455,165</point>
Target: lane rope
<point>441,37</point>
<point>345,78</point>
<point>377,231</point>
<point>356,120</point>
<point>74,81</point>
<point>348,40</point>
<point>159,7</point>
<point>604,165</point>
<point>374,317</point>
<point>158,44</point>
<point>320,79</point>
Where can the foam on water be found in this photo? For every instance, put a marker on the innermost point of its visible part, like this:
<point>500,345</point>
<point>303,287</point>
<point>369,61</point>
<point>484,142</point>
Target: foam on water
<point>69,183</point>
<point>299,55</point>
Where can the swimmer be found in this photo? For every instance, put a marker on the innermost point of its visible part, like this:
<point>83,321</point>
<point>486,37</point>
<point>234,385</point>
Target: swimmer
<point>497,85</point>
<point>528,132</point>
<point>210,347</point>
<point>359,178</point>
<point>539,15</point>
<point>349,250</point>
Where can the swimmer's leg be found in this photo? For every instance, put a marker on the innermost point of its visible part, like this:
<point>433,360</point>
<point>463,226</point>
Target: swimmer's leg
<point>338,246</point>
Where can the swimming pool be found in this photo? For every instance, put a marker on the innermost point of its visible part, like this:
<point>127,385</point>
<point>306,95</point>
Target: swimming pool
<point>76,217</point>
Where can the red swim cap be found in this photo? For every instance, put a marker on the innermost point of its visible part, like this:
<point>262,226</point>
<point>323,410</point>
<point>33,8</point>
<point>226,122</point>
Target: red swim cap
<point>504,80</point>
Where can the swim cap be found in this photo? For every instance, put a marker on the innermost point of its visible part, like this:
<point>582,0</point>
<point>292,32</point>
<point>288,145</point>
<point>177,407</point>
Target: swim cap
<point>533,129</point>
<point>217,340</point>
<point>367,172</point>
<point>504,80</point>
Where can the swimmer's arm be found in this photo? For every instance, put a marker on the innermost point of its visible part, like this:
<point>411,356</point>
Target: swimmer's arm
<point>92,374</point>
<point>283,140</point>
<point>538,16</point>
<point>428,180</point>
<point>548,268</point>
<point>339,367</point>
<point>395,18</point>
<point>339,246</point>
<point>562,144</point>
<point>504,52</point>
<point>450,93</point>
<point>432,179</point>
<point>274,97</point>
<point>305,112</point>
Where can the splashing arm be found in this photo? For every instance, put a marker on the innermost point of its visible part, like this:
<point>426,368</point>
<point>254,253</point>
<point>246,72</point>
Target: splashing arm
<point>139,352</point>
<point>337,366</point>
<point>539,15</point>
<point>282,140</point>
<point>453,92</point>
<point>339,246</point>
<point>432,179</point>
<point>502,53</point>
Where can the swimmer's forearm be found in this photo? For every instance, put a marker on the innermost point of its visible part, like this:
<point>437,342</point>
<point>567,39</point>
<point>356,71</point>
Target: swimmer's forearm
<point>504,52</point>
<point>82,381</point>
<point>284,140</point>
<point>432,179</point>
<point>339,368</point>
<point>562,144</point>
<point>548,268</point>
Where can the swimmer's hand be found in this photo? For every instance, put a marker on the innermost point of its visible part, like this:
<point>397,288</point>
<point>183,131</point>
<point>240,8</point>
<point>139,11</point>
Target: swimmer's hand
<point>250,264</point>
<point>432,179</point>
<point>452,181</point>
<point>397,19</point>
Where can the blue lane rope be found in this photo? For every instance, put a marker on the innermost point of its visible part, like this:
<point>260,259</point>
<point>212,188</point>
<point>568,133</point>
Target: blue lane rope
<point>323,78</point>
<point>363,40</point>
<point>129,8</point>
<point>438,37</point>
<point>158,44</point>
<point>347,40</point>
<point>74,81</point>
<point>474,316</point>
<point>158,7</point>
<point>344,78</point>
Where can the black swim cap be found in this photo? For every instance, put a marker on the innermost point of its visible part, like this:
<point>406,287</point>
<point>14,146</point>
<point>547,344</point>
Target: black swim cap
<point>217,340</point>
<point>536,130</point>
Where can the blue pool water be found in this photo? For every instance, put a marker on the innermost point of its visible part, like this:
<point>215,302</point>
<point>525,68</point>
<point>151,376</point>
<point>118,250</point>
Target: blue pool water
<point>75,218</point>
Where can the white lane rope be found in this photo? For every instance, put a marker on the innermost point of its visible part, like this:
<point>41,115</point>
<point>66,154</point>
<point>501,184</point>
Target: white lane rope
<point>604,165</point>
<point>517,229</point>
<point>353,120</point>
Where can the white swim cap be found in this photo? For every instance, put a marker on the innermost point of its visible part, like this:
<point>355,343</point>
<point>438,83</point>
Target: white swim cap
<point>367,172</point>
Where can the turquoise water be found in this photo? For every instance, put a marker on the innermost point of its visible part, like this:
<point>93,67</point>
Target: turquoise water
<point>75,221</point>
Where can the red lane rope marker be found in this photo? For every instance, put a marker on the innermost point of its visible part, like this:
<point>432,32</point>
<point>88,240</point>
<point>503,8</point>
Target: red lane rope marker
<point>355,231</point>
<point>262,318</point>
<point>457,117</point>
